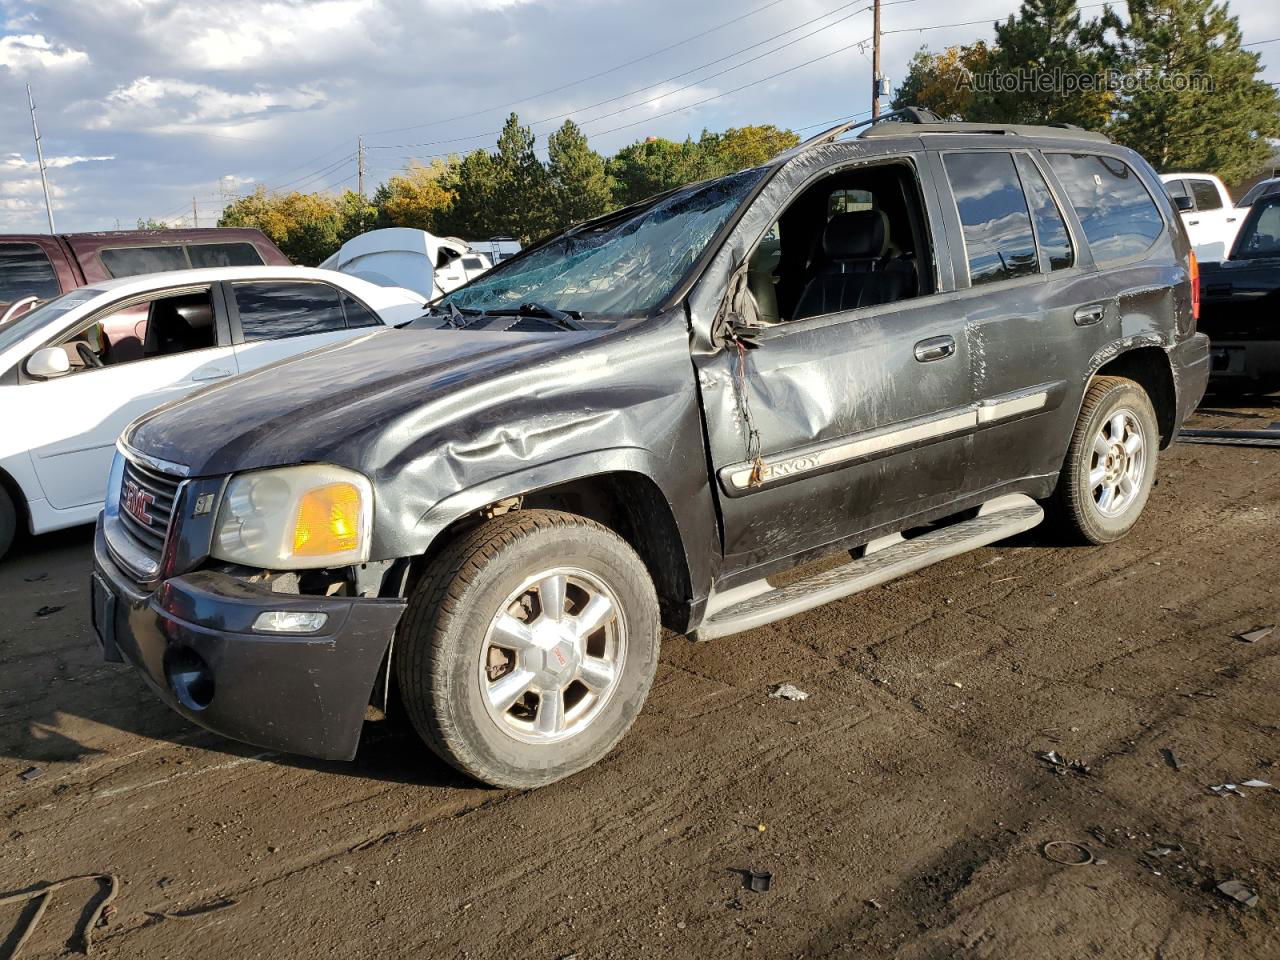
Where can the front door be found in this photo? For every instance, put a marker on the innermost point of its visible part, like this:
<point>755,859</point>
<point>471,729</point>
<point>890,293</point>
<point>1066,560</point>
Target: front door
<point>853,410</point>
<point>125,362</point>
<point>275,319</point>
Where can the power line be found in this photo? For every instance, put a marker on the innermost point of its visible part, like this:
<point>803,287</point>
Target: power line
<point>710,63</point>
<point>594,76</point>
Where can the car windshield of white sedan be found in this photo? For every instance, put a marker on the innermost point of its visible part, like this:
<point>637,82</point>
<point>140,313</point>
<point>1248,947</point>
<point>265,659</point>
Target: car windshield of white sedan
<point>18,329</point>
<point>616,266</point>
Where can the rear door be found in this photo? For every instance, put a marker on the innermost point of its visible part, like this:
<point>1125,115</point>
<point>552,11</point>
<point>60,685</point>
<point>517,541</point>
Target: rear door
<point>34,267</point>
<point>1024,295</point>
<point>275,319</point>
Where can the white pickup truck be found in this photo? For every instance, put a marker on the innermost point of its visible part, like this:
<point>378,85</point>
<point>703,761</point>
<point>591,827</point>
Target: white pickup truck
<point>1207,212</point>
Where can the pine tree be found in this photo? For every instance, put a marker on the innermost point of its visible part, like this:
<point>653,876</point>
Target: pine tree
<point>579,187</point>
<point>1173,42</point>
<point>1049,40</point>
<point>520,205</point>
<point>944,82</point>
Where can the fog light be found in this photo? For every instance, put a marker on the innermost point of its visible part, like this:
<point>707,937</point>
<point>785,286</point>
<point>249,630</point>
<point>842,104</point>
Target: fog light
<point>189,677</point>
<point>289,621</point>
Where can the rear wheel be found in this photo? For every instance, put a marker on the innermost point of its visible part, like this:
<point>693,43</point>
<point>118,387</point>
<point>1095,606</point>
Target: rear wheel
<point>1111,463</point>
<point>528,647</point>
<point>8,521</point>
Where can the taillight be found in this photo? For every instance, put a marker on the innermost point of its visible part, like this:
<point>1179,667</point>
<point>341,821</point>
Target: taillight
<point>1194,268</point>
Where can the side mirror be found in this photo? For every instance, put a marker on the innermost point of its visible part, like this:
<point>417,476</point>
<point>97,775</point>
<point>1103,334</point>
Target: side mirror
<point>1183,204</point>
<point>48,363</point>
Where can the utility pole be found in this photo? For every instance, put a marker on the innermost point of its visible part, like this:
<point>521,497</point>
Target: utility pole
<point>360,164</point>
<point>875,61</point>
<point>44,180</point>
<point>195,214</point>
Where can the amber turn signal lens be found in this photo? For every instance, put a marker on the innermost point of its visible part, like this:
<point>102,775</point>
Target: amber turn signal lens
<point>328,521</point>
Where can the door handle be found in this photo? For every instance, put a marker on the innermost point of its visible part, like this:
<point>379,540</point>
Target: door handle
<point>935,348</point>
<point>211,373</point>
<point>1193,223</point>
<point>1231,219</point>
<point>1090,314</point>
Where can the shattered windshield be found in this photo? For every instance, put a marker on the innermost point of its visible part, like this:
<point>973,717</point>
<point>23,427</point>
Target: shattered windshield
<point>620,266</point>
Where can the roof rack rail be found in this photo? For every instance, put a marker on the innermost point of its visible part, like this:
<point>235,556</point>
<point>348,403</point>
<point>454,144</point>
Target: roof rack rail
<point>1056,131</point>
<point>909,114</point>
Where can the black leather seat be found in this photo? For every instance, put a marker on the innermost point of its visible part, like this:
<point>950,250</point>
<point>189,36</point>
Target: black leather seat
<point>857,270</point>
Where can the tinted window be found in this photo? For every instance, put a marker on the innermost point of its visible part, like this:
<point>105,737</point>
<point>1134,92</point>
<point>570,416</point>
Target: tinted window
<point>1175,188</point>
<point>358,315</point>
<point>131,261</point>
<point>271,310</point>
<point>1262,237</point>
<point>1051,229</point>
<point>224,255</point>
<point>993,213</point>
<point>1118,215</point>
<point>1206,195</point>
<point>25,271</point>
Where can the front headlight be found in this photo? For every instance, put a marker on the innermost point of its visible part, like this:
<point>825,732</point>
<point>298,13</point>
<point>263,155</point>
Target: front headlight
<point>294,518</point>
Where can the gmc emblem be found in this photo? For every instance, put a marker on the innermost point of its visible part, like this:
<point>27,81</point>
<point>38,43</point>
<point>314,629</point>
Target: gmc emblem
<point>136,501</point>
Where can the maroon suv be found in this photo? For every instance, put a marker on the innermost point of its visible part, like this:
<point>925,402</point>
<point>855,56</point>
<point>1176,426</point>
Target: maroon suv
<point>45,265</point>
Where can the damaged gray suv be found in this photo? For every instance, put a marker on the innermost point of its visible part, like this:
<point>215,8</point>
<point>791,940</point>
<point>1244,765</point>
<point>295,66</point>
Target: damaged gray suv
<point>895,347</point>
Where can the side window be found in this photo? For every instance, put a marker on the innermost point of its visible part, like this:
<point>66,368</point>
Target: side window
<point>1119,217</point>
<point>993,214</point>
<point>1206,194</point>
<point>1176,188</point>
<point>1262,238</point>
<point>140,331</point>
<point>132,261</point>
<point>446,256</point>
<point>224,255</point>
<point>270,310</point>
<point>1051,228</point>
<point>25,271</point>
<point>358,315</point>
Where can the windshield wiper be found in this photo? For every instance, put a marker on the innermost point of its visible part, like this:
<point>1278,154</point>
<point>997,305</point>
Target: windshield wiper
<point>569,319</point>
<point>454,317</point>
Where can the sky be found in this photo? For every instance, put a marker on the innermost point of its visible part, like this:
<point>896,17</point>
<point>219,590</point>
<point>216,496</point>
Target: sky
<point>144,105</point>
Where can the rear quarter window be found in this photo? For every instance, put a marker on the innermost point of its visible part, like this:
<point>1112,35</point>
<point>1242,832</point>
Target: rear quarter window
<point>1119,217</point>
<point>224,255</point>
<point>994,216</point>
<point>25,271</point>
<point>132,261</point>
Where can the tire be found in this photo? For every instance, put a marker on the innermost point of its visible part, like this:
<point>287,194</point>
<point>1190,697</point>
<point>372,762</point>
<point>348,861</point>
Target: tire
<point>1102,510</point>
<point>8,522</point>
<point>457,661</point>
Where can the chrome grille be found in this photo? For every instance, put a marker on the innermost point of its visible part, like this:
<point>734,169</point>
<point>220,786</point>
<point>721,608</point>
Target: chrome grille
<point>147,493</point>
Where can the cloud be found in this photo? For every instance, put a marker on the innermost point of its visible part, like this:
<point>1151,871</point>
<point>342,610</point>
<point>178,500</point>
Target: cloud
<point>28,51</point>
<point>166,105</point>
<point>29,187</point>
<point>17,163</point>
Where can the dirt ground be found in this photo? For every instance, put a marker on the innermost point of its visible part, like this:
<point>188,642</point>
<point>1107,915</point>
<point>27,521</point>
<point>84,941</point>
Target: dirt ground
<point>901,809</point>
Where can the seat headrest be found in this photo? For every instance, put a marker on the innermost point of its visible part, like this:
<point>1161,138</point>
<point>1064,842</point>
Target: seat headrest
<point>861,234</point>
<point>199,316</point>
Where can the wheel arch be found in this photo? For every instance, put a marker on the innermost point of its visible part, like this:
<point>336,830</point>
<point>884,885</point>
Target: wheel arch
<point>626,500</point>
<point>1146,363</point>
<point>21,510</point>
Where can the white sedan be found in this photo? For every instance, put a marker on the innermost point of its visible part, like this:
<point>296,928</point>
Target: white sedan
<point>77,370</point>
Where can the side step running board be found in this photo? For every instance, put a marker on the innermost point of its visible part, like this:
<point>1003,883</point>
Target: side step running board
<point>755,604</point>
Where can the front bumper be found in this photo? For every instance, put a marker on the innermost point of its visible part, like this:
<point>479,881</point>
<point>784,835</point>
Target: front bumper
<point>193,643</point>
<point>1190,363</point>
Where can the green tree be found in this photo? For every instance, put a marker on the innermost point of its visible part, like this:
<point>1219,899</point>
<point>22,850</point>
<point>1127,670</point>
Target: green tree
<point>579,187</point>
<point>305,226</point>
<point>651,166</point>
<point>473,185</point>
<point>356,214</point>
<point>152,224</point>
<point>1223,131</point>
<point>1049,40</point>
<point>943,82</point>
<point>521,206</point>
<point>740,148</point>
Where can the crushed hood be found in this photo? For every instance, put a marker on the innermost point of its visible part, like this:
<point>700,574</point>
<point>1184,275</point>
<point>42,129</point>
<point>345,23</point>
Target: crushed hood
<point>331,405</point>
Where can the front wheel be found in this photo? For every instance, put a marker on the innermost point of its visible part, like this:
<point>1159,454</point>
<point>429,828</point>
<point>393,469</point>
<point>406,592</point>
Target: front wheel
<point>1111,463</point>
<point>528,647</point>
